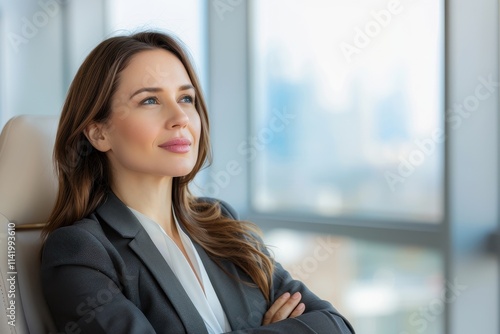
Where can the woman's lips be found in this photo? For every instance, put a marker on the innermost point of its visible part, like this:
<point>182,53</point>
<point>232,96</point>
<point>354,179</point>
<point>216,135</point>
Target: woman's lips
<point>177,145</point>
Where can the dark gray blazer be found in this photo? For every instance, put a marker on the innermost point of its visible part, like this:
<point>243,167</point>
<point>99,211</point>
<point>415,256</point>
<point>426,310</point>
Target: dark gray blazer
<point>103,274</point>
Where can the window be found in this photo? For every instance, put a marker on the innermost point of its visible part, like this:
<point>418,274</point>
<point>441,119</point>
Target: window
<point>359,84</point>
<point>380,288</point>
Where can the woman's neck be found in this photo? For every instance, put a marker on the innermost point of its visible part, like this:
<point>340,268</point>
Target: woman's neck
<point>150,196</point>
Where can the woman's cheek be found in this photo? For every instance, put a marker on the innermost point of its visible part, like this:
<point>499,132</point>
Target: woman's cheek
<point>137,131</point>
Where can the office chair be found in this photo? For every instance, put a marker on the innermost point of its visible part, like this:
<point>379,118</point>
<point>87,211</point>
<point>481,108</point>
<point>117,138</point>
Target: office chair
<point>28,187</point>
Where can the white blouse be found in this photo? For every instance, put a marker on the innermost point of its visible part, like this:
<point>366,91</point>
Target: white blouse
<point>207,303</point>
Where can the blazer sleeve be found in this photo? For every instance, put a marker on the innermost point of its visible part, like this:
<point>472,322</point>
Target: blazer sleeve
<point>319,316</point>
<point>82,289</point>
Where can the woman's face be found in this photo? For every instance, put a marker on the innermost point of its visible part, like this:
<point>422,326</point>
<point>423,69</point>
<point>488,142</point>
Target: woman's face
<point>154,127</point>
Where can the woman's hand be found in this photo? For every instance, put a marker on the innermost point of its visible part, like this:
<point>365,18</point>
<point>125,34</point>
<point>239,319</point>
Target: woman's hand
<point>286,306</point>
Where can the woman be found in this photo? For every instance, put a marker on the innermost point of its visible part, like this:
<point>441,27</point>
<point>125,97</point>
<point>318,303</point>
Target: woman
<point>128,248</point>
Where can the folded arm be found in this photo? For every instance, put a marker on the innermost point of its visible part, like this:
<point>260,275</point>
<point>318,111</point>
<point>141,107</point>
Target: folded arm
<point>319,316</point>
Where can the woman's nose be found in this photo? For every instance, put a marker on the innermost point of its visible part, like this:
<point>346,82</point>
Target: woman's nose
<point>176,117</point>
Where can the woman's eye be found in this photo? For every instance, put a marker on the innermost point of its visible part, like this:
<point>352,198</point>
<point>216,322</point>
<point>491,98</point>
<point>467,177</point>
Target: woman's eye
<point>187,99</point>
<point>150,100</point>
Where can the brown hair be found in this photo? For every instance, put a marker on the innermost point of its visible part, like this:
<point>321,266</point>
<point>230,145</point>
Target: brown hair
<point>84,172</point>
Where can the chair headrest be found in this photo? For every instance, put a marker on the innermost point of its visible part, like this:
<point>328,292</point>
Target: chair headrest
<point>28,182</point>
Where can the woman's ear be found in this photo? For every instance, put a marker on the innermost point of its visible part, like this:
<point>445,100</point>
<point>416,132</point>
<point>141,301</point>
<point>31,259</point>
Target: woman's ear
<point>96,135</point>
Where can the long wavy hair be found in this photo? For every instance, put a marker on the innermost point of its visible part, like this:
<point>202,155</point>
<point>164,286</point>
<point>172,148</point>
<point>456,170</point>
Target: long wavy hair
<point>84,172</point>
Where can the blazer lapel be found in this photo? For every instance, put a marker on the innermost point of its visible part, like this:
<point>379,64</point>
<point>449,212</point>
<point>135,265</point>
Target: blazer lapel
<point>120,218</point>
<point>243,305</point>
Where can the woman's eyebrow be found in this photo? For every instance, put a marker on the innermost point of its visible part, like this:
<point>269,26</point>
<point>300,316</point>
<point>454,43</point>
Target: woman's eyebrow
<point>146,89</point>
<point>158,89</point>
<point>186,87</point>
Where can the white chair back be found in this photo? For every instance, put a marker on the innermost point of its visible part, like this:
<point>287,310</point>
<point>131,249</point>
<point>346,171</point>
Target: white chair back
<point>28,188</point>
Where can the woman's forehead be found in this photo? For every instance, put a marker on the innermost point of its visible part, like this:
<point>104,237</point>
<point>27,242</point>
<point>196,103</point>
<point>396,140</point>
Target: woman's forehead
<point>154,68</point>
